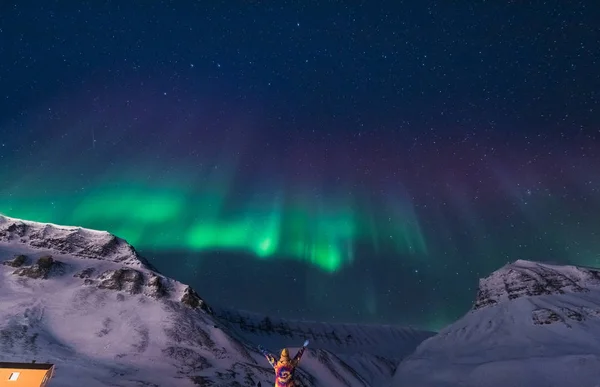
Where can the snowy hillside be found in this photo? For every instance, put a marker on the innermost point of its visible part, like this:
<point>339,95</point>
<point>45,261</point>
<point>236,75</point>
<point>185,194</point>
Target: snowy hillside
<point>371,351</point>
<point>87,302</point>
<point>532,325</point>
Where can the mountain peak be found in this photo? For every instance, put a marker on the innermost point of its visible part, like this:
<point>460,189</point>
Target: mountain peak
<point>86,301</point>
<point>77,241</point>
<point>533,324</point>
<point>524,278</point>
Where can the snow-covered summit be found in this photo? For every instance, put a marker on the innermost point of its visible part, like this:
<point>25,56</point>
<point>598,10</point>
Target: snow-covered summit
<point>532,325</point>
<point>526,278</point>
<point>85,301</point>
<point>77,241</point>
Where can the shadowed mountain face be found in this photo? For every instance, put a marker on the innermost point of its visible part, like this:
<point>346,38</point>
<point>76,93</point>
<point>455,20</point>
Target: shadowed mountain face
<point>87,302</point>
<point>532,324</point>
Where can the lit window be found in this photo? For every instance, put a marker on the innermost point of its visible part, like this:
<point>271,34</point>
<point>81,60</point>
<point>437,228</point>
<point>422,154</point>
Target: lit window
<point>14,376</point>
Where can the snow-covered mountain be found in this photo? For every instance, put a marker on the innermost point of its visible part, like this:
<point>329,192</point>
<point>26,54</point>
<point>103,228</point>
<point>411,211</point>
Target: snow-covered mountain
<point>86,301</point>
<point>371,352</point>
<point>532,325</point>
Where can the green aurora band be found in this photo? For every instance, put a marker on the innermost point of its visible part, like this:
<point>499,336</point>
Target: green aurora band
<point>165,215</point>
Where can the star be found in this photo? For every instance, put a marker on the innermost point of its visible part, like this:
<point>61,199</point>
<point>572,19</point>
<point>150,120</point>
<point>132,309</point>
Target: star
<point>372,153</point>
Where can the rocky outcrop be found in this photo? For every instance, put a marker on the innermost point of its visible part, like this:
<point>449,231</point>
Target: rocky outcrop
<point>527,279</point>
<point>155,287</point>
<point>75,241</point>
<point>573,314</point>
<point>193,300</point>
<point>86,274</point>
<point>42,269</point>
<point>546,316</point>
<point>531,279</point>
<point>184,335</point>
<point>128,280</point>
<point>534,324</point>
<point>17,261</point>
<point>141,277</point>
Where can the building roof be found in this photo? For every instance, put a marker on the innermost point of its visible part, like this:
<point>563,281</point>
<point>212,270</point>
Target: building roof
<point>27,366</point>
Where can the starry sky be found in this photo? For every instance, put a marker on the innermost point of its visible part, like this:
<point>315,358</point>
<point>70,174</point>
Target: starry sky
<point>343,161</point>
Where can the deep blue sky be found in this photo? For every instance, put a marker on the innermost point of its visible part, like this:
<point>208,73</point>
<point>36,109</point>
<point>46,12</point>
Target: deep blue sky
<point>474,127</point>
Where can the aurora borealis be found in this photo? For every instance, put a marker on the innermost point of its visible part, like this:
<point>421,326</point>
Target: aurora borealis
<point>319,231</point>
<point>371,161</point>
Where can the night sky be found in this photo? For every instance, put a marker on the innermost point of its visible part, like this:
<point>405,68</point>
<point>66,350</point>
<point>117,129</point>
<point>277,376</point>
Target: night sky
<point>342,161</point>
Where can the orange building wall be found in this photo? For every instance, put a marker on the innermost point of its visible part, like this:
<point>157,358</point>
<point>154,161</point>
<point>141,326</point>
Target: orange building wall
<point>27,378</point>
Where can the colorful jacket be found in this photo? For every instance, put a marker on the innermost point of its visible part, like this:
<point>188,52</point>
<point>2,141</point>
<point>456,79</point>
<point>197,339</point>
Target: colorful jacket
<point>284,368</point>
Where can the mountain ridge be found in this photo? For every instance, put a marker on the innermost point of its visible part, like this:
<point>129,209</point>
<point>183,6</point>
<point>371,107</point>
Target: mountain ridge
<point>84,300</point>
<point>527,278</point>
<point>78,241</point>
<point>532,325</point>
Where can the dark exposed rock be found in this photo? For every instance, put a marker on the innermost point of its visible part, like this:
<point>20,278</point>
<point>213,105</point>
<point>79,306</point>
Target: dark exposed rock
<point>85,273</point>
<point>193,300</point>
<point>17,261</point>
<point>594,274</point>
<point>14,230</point>
<point>202,381</point>
<point>155,287</point>
<point>572,314</point>
<point>529,279</point>
<point>128,280</point>
<point>44,266</point>
<point>484,299</point>
<point>45,262</point>
<point>545,316</point>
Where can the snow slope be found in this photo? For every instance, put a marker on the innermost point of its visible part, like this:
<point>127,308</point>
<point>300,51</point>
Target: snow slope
<point>87,302</point>
<point>371,351</point>
<point>532,325</point>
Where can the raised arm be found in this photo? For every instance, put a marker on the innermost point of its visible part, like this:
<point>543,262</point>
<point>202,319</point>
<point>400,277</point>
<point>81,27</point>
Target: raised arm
<point>298,356</point>
<point>268,355</point>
